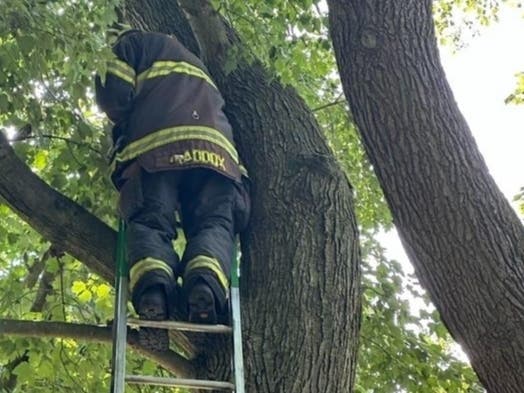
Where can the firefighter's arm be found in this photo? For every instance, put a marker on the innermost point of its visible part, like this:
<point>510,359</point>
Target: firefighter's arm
<point>116,93</point>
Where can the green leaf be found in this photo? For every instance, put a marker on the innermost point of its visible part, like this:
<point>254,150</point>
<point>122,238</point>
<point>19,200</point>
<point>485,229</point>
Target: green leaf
<point>40,160</point>
<point>103,291</point>
<point>4,103</point>
<point>78,287</point>
<point>52,266</point>
<point>26,43</point>
<point>85,296</point>
<point>24,372</point>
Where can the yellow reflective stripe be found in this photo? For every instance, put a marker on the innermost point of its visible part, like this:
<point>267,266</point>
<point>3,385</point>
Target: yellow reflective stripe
<point>166,67</point>
<point>204,262</point>
<point>176,134</point>
<point>243,170</point>
<point>146,265</point>
<point>122,70</point>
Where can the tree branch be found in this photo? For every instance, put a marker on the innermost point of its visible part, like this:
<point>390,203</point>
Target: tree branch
<point>7,378</point>
<point>209,28</point>
<point>325,106</point>
<point>67,225</point>
<point>45,287</point>
<point>60,220</point>
<point>170,360</point>
<point>36,269</point>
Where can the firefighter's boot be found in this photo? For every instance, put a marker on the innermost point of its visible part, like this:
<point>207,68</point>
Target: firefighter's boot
<point>206,297</point>
<point>151,293</point>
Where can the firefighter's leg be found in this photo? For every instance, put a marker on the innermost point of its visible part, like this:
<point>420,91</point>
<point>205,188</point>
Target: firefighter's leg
<point>148,202</point>
<point>207,203</point>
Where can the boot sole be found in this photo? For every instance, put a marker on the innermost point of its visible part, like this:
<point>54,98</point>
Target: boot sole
<point>201,304</point>
<point>153,309</point>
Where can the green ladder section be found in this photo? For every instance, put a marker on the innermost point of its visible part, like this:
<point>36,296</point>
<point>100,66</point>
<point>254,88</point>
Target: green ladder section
<point>120,323</point>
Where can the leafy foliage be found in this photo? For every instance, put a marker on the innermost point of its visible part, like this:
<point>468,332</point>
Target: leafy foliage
<point>517,97</point>
<point>49,52</point>
<point>519,198</point>
<point>457,21</point>
<point>404,345</point>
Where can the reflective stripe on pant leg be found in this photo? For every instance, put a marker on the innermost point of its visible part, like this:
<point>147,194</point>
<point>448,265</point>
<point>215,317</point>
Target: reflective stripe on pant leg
<point>144,266</point>
<point>206,201</point>
<point>151,225</point>
<point>205,262</point>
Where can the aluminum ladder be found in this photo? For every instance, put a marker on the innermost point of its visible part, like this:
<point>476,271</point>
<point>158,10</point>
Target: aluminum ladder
<point>120,323</point>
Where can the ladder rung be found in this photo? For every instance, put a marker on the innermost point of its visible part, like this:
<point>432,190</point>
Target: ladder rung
<point>185,326</point>
<point>180,382</point>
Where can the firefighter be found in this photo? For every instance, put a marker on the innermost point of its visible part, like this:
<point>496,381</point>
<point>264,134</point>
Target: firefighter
<point>173,150</point>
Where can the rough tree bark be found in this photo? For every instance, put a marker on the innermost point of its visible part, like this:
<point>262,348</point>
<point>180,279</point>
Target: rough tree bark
<point>464,239</point>
<point>301,277</point>
<point>301,250</point>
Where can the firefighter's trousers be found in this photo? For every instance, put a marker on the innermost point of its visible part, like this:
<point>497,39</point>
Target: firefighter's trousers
<point>212,209</point>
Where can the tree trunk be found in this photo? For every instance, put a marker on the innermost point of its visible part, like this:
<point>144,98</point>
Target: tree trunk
<point>461,234</point>
<point>300,287</point>
<point>300,279</point>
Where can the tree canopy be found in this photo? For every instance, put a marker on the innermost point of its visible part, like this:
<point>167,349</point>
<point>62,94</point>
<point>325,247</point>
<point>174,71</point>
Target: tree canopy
<point>49,53</point>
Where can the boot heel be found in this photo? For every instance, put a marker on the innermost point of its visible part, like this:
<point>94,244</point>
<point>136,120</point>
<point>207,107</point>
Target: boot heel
<point>201,304</point>
<point>152,306</point>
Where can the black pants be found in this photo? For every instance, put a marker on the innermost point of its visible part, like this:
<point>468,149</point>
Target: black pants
<point>212,209</point>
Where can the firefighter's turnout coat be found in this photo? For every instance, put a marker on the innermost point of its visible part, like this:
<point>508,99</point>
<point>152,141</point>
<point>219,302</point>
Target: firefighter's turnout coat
<point>167,115</point>
<point>166,109</point>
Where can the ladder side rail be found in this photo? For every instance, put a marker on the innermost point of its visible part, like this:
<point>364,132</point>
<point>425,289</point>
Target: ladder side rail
<point>118,361</point>
<point>238,356</point>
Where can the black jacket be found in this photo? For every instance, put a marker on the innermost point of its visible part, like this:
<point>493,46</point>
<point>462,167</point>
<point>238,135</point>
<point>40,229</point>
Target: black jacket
<point>166,109</point>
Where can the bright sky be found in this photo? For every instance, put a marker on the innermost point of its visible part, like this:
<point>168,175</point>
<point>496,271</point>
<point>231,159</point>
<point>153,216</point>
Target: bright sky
<point>482,76</point>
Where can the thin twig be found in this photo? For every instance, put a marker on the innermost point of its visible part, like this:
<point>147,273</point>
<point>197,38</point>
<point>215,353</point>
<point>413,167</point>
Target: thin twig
<point>74,110</point>
<point>36,269</point>
<point>67,140</point>
<point>62,355</point>
<point>62,295</point>
<point>73,154</point>
<point>338,101</point>
<point>44,289</point>
<point>389,354</point>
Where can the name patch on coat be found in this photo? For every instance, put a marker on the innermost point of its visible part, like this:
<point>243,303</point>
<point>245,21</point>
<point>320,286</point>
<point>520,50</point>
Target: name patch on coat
<point>197,156</point>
